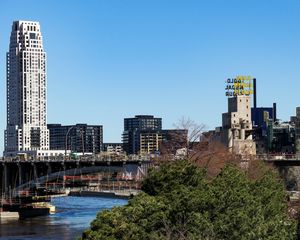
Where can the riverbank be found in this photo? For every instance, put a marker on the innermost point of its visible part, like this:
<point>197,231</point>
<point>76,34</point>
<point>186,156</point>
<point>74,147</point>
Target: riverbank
<point>74,215</point>
<point>105,194</point>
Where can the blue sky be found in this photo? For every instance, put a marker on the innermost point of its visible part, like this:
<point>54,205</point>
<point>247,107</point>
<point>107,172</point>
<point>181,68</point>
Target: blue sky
<point>116,58</point>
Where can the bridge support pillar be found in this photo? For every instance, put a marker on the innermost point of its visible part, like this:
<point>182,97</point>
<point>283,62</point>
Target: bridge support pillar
<point>49,171</point>
<point>35,175</point>
<point>64,177</point>
<point>5,179</point>
<point>20,173</point>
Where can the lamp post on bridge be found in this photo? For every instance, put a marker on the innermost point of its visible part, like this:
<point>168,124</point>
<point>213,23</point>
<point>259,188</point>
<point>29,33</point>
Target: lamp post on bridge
<point>66,140</point>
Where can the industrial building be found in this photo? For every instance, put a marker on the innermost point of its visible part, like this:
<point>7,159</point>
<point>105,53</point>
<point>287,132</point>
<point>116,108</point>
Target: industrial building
<point>237,126</point>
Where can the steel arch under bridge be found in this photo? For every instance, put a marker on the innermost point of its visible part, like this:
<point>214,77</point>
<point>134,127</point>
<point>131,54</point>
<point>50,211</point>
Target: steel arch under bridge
<point>21,175</point>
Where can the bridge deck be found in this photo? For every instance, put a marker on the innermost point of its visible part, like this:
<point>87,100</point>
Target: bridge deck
<point>278,157</point>
<point>78,160</point>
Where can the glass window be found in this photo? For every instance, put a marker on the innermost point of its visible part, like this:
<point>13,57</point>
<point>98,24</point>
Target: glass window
<point>32,35</point>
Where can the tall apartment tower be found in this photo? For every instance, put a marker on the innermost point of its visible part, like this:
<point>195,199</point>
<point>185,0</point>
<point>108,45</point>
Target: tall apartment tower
<point>26,90</point>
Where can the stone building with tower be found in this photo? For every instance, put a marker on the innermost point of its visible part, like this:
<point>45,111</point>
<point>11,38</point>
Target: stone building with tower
<point>236,133</point>
<point>237,126</point>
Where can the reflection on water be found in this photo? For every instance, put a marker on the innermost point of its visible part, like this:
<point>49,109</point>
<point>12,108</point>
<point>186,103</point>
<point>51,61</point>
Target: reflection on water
<point>73,216</point>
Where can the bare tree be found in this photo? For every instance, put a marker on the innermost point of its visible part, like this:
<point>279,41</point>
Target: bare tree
<point>187,133</point>
<point>195,130</point>
<point>197,147</point>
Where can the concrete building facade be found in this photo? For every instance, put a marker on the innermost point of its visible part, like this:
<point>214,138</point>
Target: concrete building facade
<point>163,141</point>
<point>237,126</point>
<point>113,148</point>
<point>150,142</point>
<point>26,90</point>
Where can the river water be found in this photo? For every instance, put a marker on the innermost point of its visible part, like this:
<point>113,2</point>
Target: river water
<point>74,215</point>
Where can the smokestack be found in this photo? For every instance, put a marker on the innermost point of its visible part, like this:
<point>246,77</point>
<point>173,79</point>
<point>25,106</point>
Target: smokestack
<point>254,92</point>
<point>274,112</point>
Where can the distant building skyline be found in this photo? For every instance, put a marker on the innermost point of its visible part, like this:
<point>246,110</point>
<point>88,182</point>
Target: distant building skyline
<point>26,90</point>
<point>107,56</point>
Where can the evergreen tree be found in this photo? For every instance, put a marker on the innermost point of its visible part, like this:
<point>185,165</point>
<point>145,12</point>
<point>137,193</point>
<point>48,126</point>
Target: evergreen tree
<point>180,202</point>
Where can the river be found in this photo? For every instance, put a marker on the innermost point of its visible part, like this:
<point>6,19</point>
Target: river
<point>74,215</point>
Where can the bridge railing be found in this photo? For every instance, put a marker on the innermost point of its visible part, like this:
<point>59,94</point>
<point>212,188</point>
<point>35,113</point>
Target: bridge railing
<point>126,158</point>
<point>85,158</point>
<point>278,157</point>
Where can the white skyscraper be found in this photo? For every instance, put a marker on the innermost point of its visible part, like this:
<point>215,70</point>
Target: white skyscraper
<point>26,90</point>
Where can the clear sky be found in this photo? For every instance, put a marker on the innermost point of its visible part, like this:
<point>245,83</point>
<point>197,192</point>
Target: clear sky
<point>116,58</point>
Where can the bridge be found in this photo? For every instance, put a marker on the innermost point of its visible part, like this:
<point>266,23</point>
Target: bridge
<point>281,159</point>
<point>18,175</point>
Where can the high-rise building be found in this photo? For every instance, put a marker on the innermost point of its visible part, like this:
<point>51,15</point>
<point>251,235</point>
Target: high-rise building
<point>133,128</point>
<point>143,134</point>
<point>26,90</point>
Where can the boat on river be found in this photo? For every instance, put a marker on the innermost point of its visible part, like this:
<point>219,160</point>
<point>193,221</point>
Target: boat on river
<point>28,206</point>
<point>5,215</point>
<point>36,209</point>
